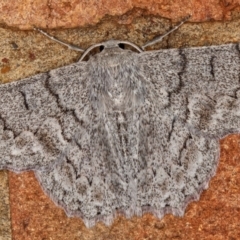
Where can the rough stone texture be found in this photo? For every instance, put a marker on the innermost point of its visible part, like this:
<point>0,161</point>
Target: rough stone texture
<point>24,53</point>
<point>34,216</point>
<point>5,224</point>
<point>67,14</point>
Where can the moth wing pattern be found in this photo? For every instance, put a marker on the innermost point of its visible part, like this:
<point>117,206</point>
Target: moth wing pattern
<point>217,112</point>
<point>198,105</point>
<point>155,152</point>
<point>30,120</point>
<point>207,83</point>
<point>47,126</point>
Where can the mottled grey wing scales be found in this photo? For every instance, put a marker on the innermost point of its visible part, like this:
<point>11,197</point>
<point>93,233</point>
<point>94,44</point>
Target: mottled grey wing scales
<point>79,179</point>
<point>200,105</point>
<point>213,88</point>
<point>31,126</point>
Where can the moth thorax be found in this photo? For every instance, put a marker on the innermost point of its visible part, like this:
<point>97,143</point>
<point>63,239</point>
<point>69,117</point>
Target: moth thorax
<point>117,90</point>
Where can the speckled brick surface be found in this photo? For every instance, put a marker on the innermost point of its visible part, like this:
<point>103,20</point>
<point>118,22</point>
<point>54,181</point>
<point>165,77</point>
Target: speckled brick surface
<point>5,224</point>
<point>35,216</point>
<point>63,13</point>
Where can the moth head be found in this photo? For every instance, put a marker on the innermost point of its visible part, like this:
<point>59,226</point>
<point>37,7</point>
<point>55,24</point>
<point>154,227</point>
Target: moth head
<point>113,46</point>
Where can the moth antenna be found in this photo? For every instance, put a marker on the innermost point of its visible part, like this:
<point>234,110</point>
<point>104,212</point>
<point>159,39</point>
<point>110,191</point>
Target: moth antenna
<point>70,46</point>
<point>159,38</point>
<point>133,45</point>
<point>89,49</point>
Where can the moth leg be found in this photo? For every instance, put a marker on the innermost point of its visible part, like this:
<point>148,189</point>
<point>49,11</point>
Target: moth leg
<point>159,38</point>
<point>70,46</point>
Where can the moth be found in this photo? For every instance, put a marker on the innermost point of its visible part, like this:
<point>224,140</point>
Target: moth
<point>124,132</point>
